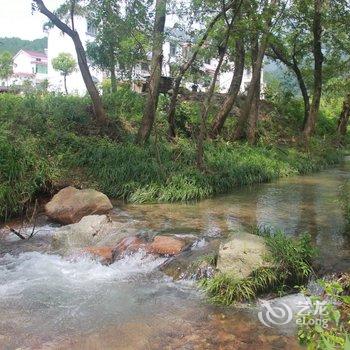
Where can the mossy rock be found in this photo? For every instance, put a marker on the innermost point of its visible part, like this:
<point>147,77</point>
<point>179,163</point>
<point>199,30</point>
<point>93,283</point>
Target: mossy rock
<point>243,254</point>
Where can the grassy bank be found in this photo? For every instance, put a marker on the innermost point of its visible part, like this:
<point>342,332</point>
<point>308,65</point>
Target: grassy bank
<point>49,140</point>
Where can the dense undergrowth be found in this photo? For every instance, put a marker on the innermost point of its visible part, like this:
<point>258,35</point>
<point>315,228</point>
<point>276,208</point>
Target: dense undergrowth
<point>50,139</point>
<point>291,265</point>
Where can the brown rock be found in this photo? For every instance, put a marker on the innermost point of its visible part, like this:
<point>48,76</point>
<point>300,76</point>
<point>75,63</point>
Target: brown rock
<point>70,204</point>
<point>129,245</point>
<point>104,254</point>
<point>165,245</point>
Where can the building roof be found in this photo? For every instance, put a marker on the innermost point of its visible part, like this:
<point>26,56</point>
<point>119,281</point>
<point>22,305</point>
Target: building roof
<point>36,54</point>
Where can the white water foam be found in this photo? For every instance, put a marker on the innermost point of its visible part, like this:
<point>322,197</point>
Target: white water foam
<point>33,269</point>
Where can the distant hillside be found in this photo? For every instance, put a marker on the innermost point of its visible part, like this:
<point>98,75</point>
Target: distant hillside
<point>13,45</point>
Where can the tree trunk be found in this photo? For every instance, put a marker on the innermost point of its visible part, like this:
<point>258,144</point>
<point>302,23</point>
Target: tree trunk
<point>235,85</point>
<point>113,79</point>
<point>293,65</point>
<point>156,71</point>
<point>310,124</point>
<point>241,129</point>
<point>82,61</point>
<point>184,68</point>
<point>241,132</point>
<point>65,83</point>
<point>207,102</point>
<point>254,112</point>
<point>303,90</point>
<point>344,117</point>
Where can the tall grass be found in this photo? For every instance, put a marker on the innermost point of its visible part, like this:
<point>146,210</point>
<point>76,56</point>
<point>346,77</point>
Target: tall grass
<point>45,138</point>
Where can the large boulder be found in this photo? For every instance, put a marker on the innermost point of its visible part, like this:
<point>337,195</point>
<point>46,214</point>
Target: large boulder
<point>90,231</point>
<point>243,254</point>
<point>70,204</point>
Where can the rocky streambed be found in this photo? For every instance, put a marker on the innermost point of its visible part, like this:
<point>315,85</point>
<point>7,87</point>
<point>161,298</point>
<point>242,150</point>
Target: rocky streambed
<point>125,278</point>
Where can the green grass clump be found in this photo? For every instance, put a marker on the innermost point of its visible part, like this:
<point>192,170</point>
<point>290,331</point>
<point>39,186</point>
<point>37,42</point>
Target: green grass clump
<point>291,265</point>
<point>146,175</point>
<point>23,173</point>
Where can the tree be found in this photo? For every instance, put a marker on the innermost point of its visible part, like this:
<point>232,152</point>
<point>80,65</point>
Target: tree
<point>99,111</point>
<point>66,65</point>
<point>310,124</point>
<point>307,32</point>
<point>156,71</point>
<point>246,125</point>
<point>6,65</point>
<point>344,117</point>
<point>189,62</point>
<point>222,48</point>
<point>234,88</point>
<point>121,36</point>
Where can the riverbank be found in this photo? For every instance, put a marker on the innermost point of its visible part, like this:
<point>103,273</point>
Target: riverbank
<point>49,142</point>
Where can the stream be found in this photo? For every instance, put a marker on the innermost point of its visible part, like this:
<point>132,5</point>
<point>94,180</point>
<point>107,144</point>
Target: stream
<point>50,302</point>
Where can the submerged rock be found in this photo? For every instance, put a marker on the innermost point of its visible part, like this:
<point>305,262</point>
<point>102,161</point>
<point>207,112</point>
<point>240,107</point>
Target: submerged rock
<point>128,245</point>
<point>243,254</point>
<point>90,231</point>
<point>166,245</point>
<point>103,254</point>
<point>70,204</point>
<point>193,263</point>
<point>160,245</point>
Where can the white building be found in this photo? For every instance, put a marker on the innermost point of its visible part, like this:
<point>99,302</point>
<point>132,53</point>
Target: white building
<point>28,66</point>
<point>59,42</point>
<point>176,47</point>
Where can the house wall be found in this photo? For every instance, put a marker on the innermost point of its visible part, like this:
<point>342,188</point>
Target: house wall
<point>24,69</point>
<point>22,63</point>
<point>59,42</point>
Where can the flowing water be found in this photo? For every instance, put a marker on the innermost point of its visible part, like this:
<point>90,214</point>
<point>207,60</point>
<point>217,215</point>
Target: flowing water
<point>50,302</point>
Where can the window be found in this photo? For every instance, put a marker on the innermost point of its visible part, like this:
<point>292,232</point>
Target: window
<point>38,59</point>
<point>91,29</point>
<point>144,66</point>
<point>172,49</point>
<point>41,69</point>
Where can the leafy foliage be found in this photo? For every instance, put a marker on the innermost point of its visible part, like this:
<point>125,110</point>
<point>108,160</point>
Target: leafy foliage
<point>330,327</point>
<point>5,65</point>
<point>13,45</point>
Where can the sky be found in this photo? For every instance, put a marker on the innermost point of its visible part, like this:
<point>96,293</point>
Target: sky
<point>17,20</point>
